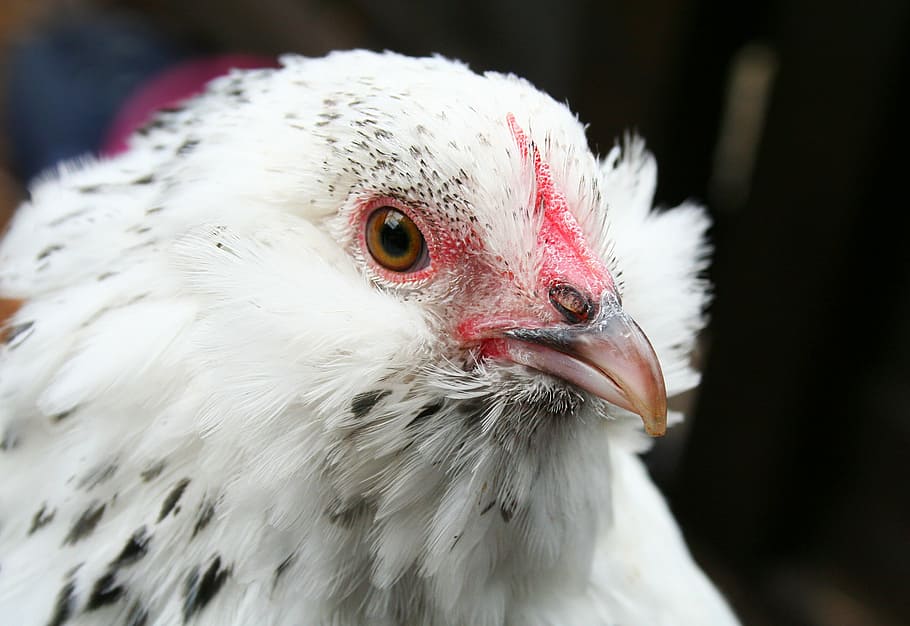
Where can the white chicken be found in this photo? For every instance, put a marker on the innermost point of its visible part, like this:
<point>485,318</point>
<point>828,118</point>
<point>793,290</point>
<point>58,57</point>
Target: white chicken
<point>348,342</point>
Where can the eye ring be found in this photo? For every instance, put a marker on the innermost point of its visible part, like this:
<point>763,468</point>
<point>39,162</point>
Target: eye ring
<point>394,240</point>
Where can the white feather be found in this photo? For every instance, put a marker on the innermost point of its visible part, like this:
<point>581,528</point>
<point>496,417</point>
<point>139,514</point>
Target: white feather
<point>205,353</point>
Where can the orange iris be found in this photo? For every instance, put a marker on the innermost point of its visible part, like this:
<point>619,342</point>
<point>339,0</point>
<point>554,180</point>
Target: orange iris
<point>395,241</point>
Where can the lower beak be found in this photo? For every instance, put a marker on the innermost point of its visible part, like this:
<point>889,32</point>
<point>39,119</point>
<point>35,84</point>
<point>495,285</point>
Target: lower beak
<point>609,357</point>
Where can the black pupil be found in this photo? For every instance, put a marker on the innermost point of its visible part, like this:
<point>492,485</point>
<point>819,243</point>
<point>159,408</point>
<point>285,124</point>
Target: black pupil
<point>394,238</point>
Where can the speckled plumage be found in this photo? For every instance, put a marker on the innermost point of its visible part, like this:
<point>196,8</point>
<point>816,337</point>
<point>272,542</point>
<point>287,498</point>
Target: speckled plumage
<point>214,410</point>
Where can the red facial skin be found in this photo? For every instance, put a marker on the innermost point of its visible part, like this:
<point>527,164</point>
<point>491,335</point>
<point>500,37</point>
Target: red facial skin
<point>565,257</point>
<point>442,250</point>
<point>565,253</point>
<point>610,357</point>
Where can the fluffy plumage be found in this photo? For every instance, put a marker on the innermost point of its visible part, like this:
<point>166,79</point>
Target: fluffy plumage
<point>216,409</point>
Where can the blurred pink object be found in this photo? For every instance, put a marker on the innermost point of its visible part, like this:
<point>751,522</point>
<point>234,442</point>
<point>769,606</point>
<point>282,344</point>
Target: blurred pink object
<point>170,88</point>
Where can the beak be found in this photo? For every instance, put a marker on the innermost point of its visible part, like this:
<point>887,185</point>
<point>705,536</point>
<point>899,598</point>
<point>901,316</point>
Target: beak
<point>609,357</point>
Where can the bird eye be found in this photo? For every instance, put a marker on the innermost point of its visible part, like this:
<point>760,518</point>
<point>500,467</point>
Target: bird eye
<point>395,242</point>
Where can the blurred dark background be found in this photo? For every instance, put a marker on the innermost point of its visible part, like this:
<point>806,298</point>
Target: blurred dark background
<point>790,120</point>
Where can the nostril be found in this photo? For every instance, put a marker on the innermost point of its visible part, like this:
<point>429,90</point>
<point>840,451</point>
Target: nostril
<point>573,304</point>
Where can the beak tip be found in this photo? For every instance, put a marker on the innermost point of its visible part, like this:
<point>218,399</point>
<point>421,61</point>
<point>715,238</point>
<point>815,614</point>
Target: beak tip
<point>656,427</point>
<point>653,412</point>
<point>655,422</point>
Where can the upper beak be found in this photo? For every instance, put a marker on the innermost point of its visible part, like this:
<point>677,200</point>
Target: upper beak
<point>609,357</point>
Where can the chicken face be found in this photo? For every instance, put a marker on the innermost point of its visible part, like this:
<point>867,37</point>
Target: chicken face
<point>553,306</point>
